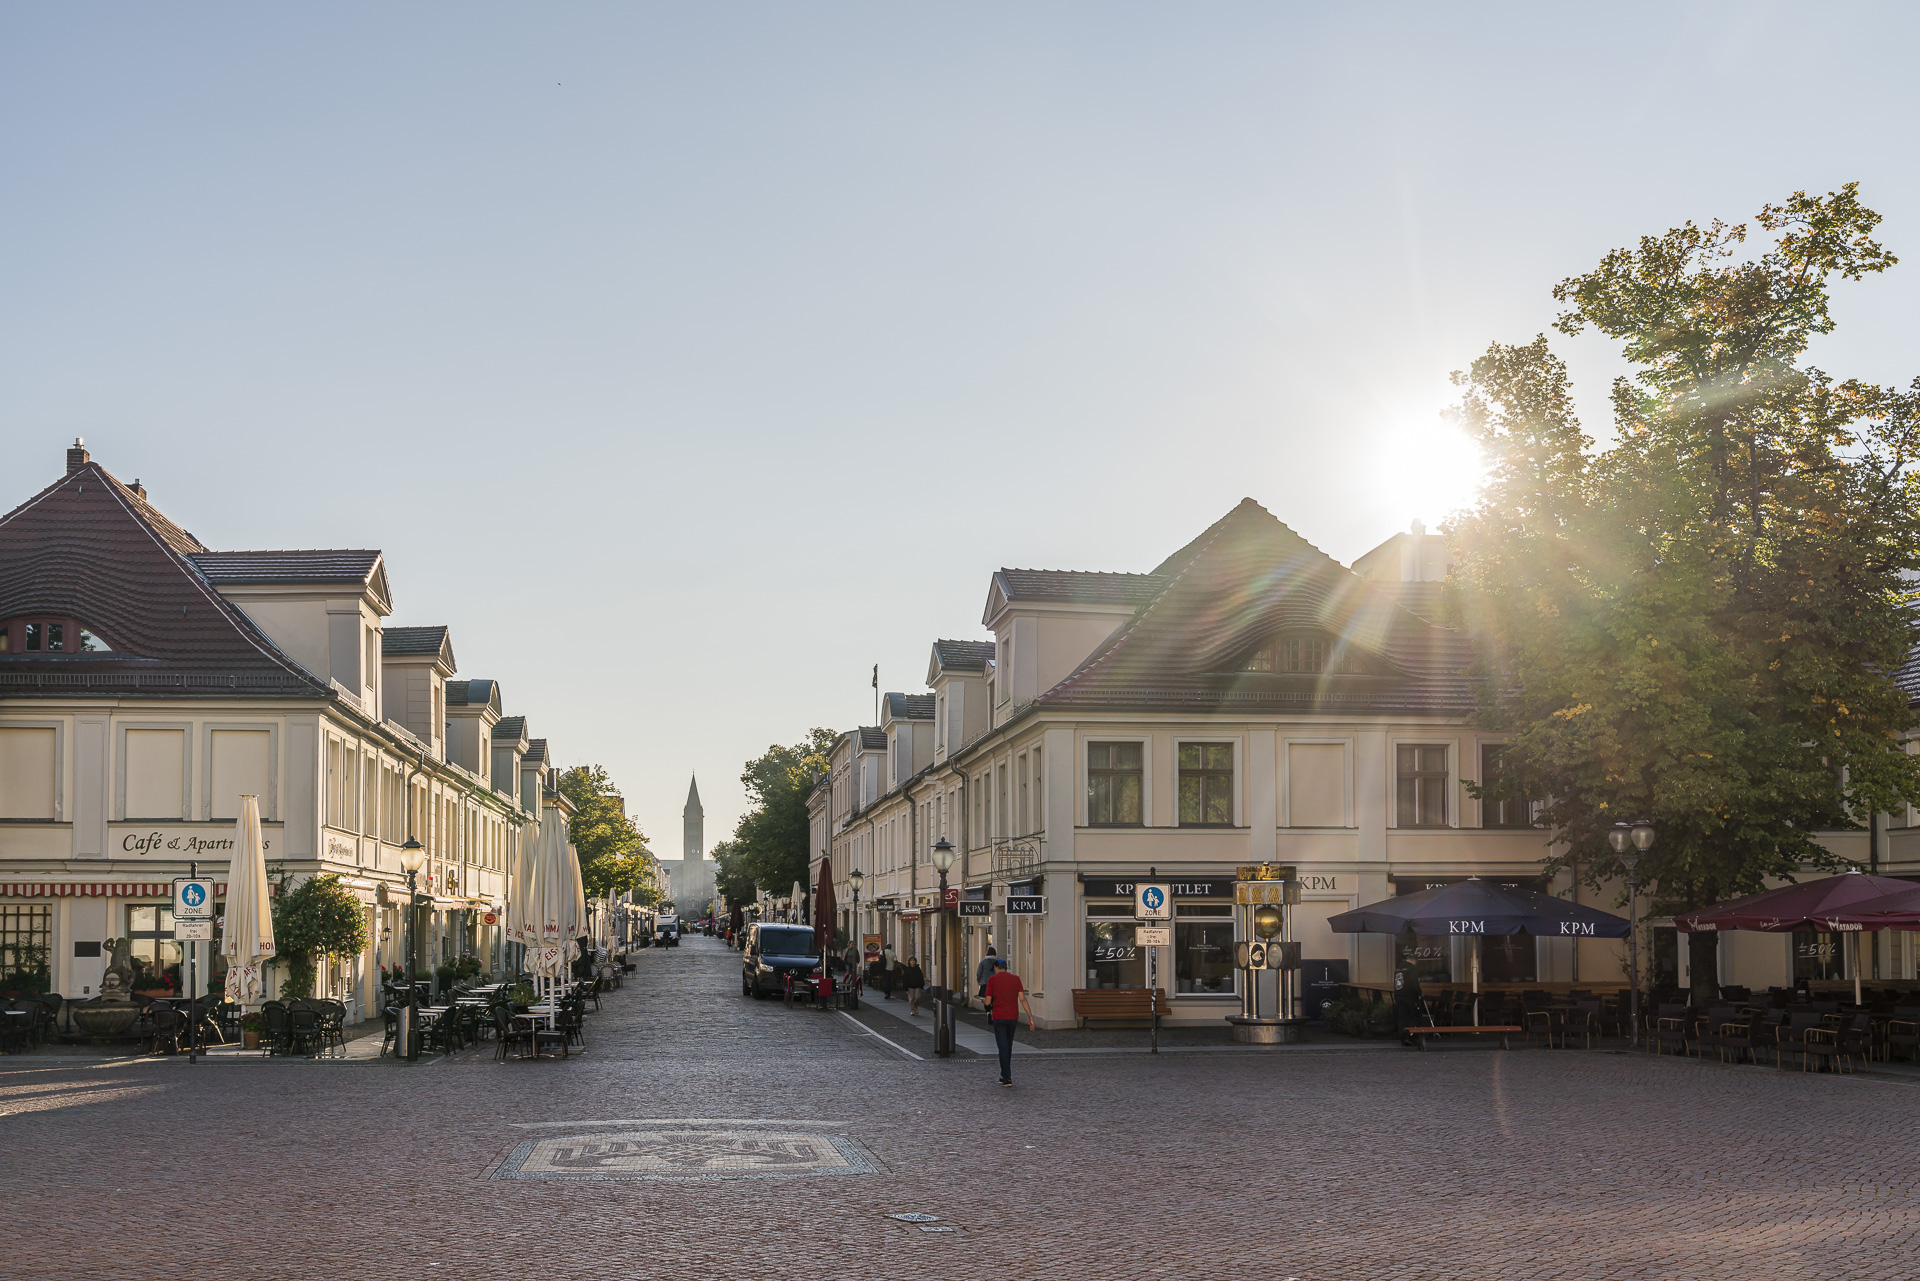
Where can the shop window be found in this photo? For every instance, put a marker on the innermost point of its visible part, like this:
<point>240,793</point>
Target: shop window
<point>1663,958</point>
<point>1112,958</point>
<point>1427,954</point>
<point>1206,784</point>
<point>156,957</point>
<point>1114,772</point>
<point>26,937</point>
<point>1203,950</point>
<point>1508,958</point>
<point>1511,812</point>
<point>1818,955</point>
<point>1422,786</point>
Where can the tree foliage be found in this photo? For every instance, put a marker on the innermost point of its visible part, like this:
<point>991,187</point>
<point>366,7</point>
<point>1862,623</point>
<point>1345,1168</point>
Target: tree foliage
<point>318,917</point>
<point>1700,623</point>
<point>614,857</point>
<point>730,878</point>
<point>769,847</point>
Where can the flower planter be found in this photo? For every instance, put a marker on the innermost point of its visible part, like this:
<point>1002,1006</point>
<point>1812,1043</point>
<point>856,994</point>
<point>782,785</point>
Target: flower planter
<point>249,1040</point>
<point>154,991</point>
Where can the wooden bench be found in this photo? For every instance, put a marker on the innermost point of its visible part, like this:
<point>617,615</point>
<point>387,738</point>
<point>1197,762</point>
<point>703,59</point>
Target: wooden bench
<point>1501,1030</point>
<point>1122,1003</point>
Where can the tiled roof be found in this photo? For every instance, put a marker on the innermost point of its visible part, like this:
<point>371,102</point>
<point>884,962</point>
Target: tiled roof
<point>469,693</point>
<point>1246,579</point>
<point>910,707</point>
<point>873,738</point>
<point>536,750</point>
<point>404,642</point>
<point>963,655</point>
<point>90,548</point>
<point>1429,600</point>
<point>510,728</point>
<point>287,566</point>
<point>1079,587</point>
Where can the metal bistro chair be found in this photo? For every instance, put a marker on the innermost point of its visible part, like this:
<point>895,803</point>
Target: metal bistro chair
<point>1707,1029</point>
<point>1903,1032</point>
<point>1668,1029</point>
<point>274,1038</point>
<point>510,1031</point>
<point>1792,1038</point>
<point>304,1035</point>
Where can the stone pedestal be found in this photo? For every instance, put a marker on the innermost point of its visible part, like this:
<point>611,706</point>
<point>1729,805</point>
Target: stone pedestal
<point>1267,1031</point>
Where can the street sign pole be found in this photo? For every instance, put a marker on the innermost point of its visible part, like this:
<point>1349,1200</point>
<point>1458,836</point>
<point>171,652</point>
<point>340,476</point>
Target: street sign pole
<point>193,908</point>
<point>193,986</point>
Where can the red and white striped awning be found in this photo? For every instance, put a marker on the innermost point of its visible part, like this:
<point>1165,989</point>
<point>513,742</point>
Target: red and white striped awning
<point>94,889</point>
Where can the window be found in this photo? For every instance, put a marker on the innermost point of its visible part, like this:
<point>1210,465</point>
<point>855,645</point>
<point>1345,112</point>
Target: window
<point>1206,784</point>
<point>1422,786</point>
<point>1511,812</point>
<point>49,636</point>
<point>26,935</point>
<point>1816,955</point>
<point>1112,958</point>
<point>156,957</point>
<point>155,768</point>
<point>27,772</point>
<point>1113,784</point>
<point>1203,950</point>
<point>1304,654</point>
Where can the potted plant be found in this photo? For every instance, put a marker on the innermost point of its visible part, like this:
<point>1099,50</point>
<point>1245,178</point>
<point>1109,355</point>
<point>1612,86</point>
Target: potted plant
<point>444,973</point>
<point>521,995</point>
<point>250,1025</point>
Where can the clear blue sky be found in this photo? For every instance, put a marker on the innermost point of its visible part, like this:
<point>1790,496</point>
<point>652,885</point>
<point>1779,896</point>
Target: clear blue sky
<point>690,359</point>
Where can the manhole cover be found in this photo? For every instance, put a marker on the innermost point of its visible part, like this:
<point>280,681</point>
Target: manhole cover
<point>685,1154</point>
<point>916,1217</point>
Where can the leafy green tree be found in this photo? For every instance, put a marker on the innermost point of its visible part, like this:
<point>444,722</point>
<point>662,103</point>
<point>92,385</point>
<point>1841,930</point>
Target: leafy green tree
<point>771,840</point>
<point>1700,623</point>
<point>730,877</point>
<point>318,917</point>
<point>614,857</point>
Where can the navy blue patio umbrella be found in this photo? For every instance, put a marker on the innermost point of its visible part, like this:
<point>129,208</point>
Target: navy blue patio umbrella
<point>1474,907</point>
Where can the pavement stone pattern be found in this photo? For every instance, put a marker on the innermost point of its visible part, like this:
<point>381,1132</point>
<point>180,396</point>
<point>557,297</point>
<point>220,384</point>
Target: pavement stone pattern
<point>1563,1164</point>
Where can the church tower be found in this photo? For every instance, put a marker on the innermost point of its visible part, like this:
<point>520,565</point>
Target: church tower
<point>696,843</point>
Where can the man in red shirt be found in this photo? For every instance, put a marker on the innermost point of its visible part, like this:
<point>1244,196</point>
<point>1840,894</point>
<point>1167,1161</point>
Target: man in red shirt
<point>1006,997</point>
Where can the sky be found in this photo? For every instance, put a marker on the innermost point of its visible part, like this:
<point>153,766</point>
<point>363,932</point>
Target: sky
<point>688,360</point>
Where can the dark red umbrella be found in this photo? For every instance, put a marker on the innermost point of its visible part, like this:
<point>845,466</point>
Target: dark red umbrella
<point>1791,907</point>
<point>823,908</point>
<point>1897,911</point>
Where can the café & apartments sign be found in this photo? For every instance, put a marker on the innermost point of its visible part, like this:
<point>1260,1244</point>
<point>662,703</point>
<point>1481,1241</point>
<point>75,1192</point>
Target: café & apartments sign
<point>182,840</point>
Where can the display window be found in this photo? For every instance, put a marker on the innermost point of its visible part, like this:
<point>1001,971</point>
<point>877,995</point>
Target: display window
<point>156,957</point>
<point>1202,960</point>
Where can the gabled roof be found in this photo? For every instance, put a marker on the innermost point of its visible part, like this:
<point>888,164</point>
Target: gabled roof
<point>473,693</point>
<point>963,655</point>
<point>1225,593</point>
<point>511,728</point>
<point>1078,587</point>
<point>90,548</point>
<point>910,707</point>
<point>362,568</point>
<point>873,738</point>
<point>536,751</point>
<point>417,642</point>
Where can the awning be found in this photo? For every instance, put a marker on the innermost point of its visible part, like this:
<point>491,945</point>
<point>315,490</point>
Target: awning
<point>95,889</point>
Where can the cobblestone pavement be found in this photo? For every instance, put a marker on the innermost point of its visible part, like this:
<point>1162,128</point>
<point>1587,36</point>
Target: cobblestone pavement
<point>1384,1164</point>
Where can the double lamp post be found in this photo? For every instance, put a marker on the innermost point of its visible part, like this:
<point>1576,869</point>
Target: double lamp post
<point>1630,841</point>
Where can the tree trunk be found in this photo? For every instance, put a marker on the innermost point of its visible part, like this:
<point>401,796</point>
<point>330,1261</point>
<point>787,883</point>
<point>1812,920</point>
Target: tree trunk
<point>1703,966</point>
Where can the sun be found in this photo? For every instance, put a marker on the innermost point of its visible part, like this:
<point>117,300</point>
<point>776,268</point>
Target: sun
<point>1424,470</point>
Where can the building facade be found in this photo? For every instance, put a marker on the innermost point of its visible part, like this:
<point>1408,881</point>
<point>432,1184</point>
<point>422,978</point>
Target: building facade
<point>1248,700</point>
<point>147,682</point>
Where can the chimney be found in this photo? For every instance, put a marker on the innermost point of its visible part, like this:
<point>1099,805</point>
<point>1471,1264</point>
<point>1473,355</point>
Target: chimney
<point>138,488</point>
<point>76,456</point>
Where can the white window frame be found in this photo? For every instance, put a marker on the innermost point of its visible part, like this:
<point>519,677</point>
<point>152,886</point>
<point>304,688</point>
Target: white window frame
<point>1239,744</point>
<point>1285,808</point>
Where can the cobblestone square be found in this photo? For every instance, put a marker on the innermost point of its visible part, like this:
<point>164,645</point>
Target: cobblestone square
<point>1342,1163</point>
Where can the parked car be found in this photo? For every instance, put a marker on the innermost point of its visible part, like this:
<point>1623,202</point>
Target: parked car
<point>771,952</point>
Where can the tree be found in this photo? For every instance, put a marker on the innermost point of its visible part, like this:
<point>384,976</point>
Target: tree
<point>771,840</point>
<point>1700,624</point>
<point>318,917</point>
<point>730,878</point>
<point>614,857</point>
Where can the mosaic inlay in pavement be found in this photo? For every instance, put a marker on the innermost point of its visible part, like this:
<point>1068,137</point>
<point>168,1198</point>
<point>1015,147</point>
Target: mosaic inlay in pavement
<point>686,1154</point>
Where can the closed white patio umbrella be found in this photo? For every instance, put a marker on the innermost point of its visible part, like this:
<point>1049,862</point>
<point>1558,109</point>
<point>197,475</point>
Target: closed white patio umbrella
<point>557,895</point>
<point>523,907</point>
<point>247,943</point>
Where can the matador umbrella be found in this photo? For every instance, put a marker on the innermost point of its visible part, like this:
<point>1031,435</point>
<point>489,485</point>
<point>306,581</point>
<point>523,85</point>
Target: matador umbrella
<point>1474,907</point>
<point>1825,904</point>
<point>823,911</point>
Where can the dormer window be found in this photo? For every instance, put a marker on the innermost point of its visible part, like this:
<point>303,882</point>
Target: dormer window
<point>1309,655</point>
<point>49,636</point>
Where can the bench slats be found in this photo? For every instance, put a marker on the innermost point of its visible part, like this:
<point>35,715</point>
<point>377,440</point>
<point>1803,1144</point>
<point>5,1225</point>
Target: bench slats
<point>1119,1002</point>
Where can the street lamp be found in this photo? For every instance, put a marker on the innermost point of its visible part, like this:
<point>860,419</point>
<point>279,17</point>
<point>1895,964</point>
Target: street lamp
<point>856,880</point>
<point>1629,843</point>
<point>413,856</point>
<point>942,1014</point>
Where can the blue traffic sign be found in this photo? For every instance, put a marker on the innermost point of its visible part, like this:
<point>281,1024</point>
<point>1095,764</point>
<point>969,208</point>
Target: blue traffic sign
<point>1153,897</point>
<point>193,894</point>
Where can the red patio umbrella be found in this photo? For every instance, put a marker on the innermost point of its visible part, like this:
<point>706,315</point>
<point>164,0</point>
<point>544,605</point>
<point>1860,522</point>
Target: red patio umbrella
<point>823,912</point>
<point>1897,911</point>
<point>1812,905</point>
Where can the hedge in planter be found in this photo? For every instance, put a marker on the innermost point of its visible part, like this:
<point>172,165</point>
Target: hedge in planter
<point>319,917</point>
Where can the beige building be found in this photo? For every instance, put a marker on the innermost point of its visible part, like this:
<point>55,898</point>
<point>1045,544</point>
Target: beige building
<point>147,682</point>
<point>1247,700</point>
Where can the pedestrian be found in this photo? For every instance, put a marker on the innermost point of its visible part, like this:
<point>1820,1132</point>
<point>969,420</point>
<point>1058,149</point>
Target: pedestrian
<point>1006,997</point>
<point>984,971</point>
<point>888,963</point>
<point>914,979</point>
<point>1406,999</point>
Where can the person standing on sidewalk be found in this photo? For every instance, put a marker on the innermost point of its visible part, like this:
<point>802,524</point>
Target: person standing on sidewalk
<point>888,964</point>
<point>1006,997</point>
<point>914,979</point>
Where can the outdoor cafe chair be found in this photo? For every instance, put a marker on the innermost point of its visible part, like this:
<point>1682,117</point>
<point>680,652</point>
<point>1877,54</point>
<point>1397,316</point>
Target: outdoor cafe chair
<point>510,1031</point>
<point>1738,1035</point>
<point>443,1031</point>
<point>273,1028</point>
<point>1668,1029</point>
<point>1707,1028</point>
<point>1792,1038</point>
<point>304,1035</point>
<point>1903,1032</point>
<point>1584,1019</point>
<point>1547,1023</point>
<point>165,1026</point>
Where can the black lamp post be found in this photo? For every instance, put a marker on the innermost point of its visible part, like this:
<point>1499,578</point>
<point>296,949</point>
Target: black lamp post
<point>413,857</point>
<point>1629,843</point>
<point>856,880</point>
<point>942,1013</point>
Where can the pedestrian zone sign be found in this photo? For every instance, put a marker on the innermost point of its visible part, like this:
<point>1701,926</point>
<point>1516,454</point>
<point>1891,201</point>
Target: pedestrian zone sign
<point>1152,903</point>
<point>193,910</point>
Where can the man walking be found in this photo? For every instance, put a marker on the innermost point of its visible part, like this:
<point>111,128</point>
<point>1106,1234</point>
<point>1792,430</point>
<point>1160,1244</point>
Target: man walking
<point>888,963</point>
<point>1006,997</point>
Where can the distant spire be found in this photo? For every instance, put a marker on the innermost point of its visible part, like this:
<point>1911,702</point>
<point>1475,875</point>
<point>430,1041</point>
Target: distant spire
<point>694,846</point>
<point>693,809</point>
